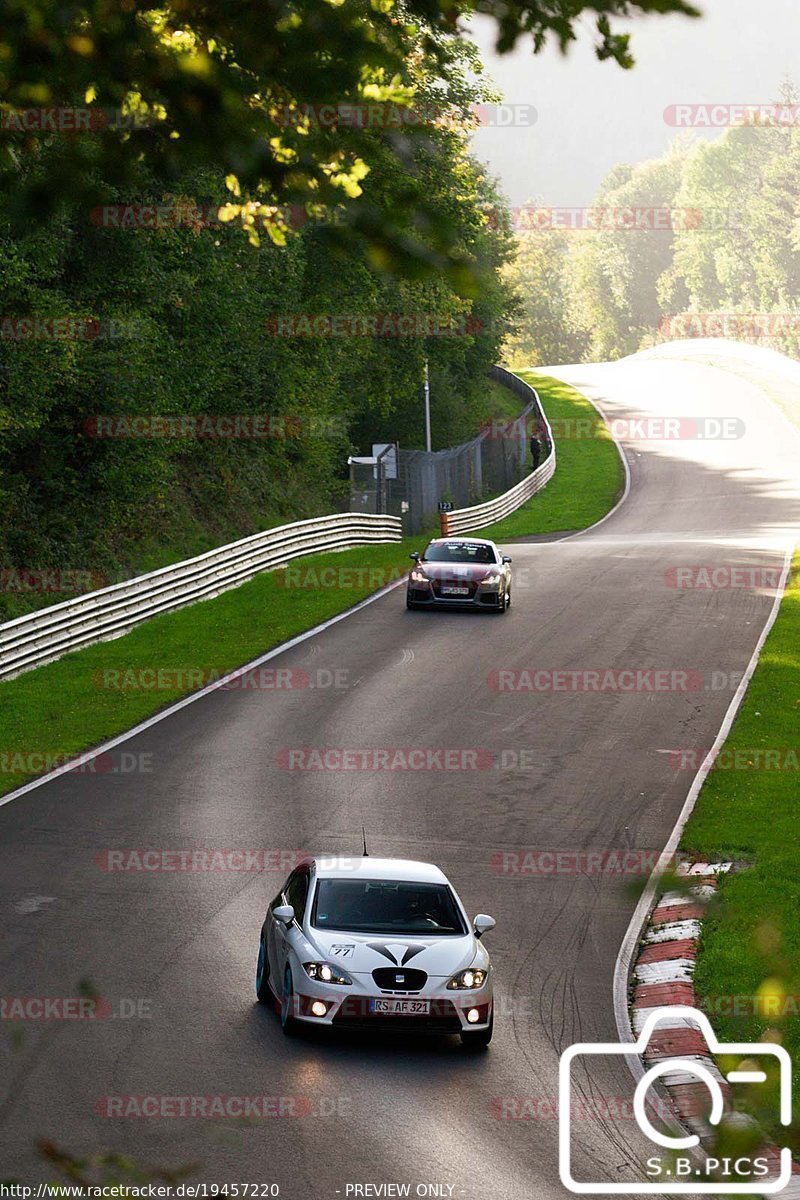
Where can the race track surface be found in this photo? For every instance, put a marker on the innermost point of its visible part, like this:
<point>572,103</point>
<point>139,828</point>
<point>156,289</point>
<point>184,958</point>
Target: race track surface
<point>569,769</point>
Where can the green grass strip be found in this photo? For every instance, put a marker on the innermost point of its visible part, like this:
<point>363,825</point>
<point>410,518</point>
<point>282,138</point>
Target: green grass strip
<point>589,475</point>
<point>748,968</point>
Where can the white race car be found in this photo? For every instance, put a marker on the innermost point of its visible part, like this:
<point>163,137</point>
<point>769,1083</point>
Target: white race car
<point>379,944</point>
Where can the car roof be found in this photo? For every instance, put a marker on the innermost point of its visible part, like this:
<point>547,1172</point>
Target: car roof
<point>340,866</point>
<point>461,540</point>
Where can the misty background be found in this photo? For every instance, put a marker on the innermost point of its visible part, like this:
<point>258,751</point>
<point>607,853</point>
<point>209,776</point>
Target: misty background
<point>593,115</point>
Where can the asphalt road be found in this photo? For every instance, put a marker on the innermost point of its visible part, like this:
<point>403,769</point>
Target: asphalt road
<point>573,770</point>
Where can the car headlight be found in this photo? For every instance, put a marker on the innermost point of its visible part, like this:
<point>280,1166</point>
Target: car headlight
<point>418,576</point>
<point>491,580</point>
<point>473,977</point>
<point>324,973</point>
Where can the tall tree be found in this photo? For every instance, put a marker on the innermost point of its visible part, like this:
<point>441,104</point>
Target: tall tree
<point>277,97</point>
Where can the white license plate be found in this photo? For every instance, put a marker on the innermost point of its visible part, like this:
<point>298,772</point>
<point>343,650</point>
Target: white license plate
<point>455,591</point>
<point>401,1008</point>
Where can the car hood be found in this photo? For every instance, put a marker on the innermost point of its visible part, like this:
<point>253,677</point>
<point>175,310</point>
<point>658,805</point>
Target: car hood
<point>453,572</point>
<point>361,953</point>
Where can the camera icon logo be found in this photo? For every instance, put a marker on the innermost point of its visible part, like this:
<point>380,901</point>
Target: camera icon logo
<point>691,1178</point>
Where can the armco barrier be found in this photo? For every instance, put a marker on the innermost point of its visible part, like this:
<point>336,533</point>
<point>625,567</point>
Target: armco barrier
<point>463,520</point>
<point>493,461</point>
<point>43,636</point>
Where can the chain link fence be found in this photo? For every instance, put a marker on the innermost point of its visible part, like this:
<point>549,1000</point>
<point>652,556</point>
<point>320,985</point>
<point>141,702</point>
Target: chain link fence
<point>412,483</point>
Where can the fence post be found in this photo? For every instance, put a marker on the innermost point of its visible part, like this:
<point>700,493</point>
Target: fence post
<point>444,524</point>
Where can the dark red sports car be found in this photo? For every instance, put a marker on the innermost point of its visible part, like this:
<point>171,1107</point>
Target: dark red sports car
<point>460,573</point>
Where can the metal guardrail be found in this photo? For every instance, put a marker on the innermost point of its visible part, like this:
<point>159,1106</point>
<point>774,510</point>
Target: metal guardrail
<point>463,520</point>
<point>40,637</point>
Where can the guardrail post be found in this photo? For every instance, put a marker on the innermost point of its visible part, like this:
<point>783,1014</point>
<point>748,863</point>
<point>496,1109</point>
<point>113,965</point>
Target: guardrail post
<point>444,524</point>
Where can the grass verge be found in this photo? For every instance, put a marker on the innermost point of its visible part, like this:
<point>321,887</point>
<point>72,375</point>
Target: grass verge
<point>58,710</point>
<point>748,967</point>
<point>66,706</point>
<point>589,477</point>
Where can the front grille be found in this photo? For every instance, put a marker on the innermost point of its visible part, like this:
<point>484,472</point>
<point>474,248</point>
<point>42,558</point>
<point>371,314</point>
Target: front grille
<point>461,583</point>
<point>399,979</point>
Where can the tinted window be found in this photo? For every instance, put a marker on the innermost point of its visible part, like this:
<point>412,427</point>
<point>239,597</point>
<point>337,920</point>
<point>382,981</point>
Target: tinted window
<point>386,906</point>
<point>297,892</point>
<point>459,552</point>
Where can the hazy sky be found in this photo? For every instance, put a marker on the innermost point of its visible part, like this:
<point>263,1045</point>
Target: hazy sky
<point>592,115</point>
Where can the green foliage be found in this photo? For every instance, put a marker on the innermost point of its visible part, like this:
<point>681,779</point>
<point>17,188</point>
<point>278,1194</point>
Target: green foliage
<point>192,321</point>
<point>545,329</point>
<point>219,87</point>
<point>731,251</point>
<point>751,942</point>
<point>616,270</point>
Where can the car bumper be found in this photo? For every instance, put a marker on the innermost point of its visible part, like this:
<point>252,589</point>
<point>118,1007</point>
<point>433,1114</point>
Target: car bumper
<point>447,1009</point>
<point>425,598</point>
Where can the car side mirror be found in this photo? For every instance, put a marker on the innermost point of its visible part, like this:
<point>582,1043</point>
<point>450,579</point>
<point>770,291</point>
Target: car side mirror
<point>483,924</point>
<point>506,558</point>
<point>283,913</point>
<point>415,556</point>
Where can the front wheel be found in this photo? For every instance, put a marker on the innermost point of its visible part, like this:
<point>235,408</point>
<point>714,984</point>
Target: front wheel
<point>288,1020</point>
<point>478,1039</point>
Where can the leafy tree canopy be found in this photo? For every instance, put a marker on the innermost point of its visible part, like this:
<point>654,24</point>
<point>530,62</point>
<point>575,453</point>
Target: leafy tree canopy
<point>248,89</point>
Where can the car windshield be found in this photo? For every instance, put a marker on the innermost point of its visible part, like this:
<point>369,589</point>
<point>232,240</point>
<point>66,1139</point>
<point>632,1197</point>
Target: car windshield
<point>386,906</point>
<point>459,552</point>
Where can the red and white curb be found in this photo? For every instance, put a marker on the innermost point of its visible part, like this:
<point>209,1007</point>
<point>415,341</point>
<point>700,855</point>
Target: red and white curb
<point>663,975</point>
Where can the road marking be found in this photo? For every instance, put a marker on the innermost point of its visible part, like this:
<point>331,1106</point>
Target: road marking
<point>630,942</point>
<point>32,904</point>
<point>88,755</point>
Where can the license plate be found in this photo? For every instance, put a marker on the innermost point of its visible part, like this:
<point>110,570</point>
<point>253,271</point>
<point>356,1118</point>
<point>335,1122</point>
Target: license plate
<point>455,591</point>
<point>400,1008</point>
